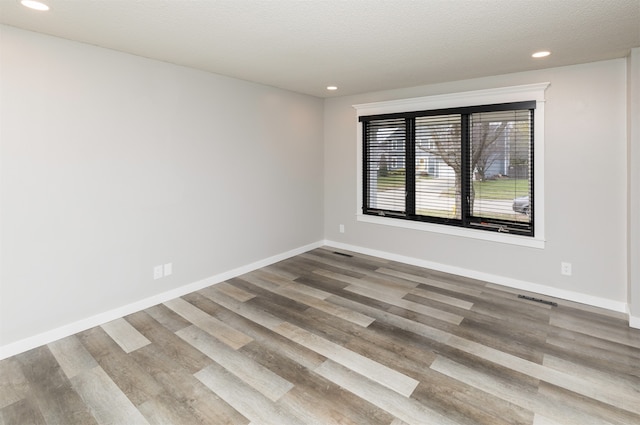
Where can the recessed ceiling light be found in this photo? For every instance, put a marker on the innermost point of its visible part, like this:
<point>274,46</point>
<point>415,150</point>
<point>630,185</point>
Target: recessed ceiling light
<point>332,88</point>
<point>35,5</point>
<point>542,54</point>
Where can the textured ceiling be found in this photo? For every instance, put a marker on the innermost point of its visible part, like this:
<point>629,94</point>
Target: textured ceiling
<point>358,45</point>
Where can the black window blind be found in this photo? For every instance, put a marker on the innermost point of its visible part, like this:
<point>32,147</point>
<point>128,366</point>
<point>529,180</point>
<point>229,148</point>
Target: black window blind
<point>469,167</point>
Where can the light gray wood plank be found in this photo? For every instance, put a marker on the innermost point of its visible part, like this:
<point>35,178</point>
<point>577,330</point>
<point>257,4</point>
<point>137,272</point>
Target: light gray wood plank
<point>50,391</point>
<point>445,299</point>
<point>290,291</point>
<point>186,396</point>
<point>167,318</point>
<point>371,275</point>
<point>258,281</point>
<point>386,281</point>
<point>445,316</point>
<point>323,412</point>
<point>270,276</point>
<point>72,356</point>
<point>280,271</point>
<point>63,405</point>
<point>284,283</point>
<point>247,311</point>
<point>539,419</point>
<point>308,290</point>
<point>125,335</point>
<point>430,281</point>
<point>519,314</point>
<point>133,378</point>
<point>234,292</point>
<point>598,412</point>
<point>404,408</point>
<point>107,402</point>
<point>332,405</point>
<point>377,372</point>
<point>314,399</point>
<point>595,352</point>
<point>401,323</point>
<point>23,412</point>
<point>168,343</point>
<point>511,393</point>
<point>167,410</point>
<point>366,284</point>
<point>258,377</point>
<point>207,323</point>
<point>272,342</point>
<point>13,384</point>
<point>41,370</point>
<point>466,404</point>
<point>620,391</point>
<point>562,379</point>
<point>591,343</point>
<point>337,311</point>
<point>554,408</point>
<point>620,335</point>
<point>249,402</point>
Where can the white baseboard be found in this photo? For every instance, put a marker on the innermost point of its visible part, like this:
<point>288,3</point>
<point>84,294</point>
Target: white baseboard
<point>634,322</point>
<point>607,304</point>
<point>99,319</point>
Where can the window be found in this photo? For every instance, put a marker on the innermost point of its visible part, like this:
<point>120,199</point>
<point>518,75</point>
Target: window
<point>471,166</point>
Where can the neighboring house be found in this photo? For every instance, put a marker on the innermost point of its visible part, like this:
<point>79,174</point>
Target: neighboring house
<point>503,158</point>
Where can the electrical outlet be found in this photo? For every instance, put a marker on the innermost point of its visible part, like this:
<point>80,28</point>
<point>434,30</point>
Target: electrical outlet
<point>342,228</point>
<point>157,272</point>
<point>168,269</point>
<point>565,269</point>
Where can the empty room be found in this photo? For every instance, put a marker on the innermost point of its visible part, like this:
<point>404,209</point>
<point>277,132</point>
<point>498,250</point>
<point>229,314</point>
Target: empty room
<point>320,212</point>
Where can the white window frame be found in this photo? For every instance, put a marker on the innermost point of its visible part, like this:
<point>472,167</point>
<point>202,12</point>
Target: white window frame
<point>511,94</point>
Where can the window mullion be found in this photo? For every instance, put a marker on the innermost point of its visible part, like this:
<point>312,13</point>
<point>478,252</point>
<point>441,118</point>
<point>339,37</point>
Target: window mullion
<point>365,166</point>
<point>465,170</point>
<point>410,167</point>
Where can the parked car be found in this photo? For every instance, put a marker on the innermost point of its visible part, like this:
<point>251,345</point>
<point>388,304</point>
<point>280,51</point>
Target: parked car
<point>521,205</point>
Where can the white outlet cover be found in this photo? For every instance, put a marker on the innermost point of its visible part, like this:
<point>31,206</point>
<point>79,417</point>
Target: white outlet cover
<point>565,268</point>
<point>157,272</point>
<point>168,269</point>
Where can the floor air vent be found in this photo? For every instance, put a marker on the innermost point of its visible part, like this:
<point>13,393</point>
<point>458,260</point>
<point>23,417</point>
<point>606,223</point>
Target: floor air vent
<point>538,300</point>
<point>343,254</point>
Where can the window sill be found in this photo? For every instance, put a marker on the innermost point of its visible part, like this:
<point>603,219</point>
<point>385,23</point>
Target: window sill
<point>526,241</point>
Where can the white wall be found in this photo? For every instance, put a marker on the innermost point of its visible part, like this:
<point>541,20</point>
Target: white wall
<point>112,164</point>
<point>633,78</point>
<point>585,190</point>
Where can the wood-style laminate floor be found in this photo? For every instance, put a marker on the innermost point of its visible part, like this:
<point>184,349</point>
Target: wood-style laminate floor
<point>324,338</point>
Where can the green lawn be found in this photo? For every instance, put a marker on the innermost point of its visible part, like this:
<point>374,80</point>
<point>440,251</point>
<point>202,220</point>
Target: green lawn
<point>501,188</point>
<point>391,181</point>
<point>438,213</point>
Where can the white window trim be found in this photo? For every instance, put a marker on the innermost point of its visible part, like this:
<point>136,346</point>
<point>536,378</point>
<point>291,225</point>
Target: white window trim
<point>471,98</point>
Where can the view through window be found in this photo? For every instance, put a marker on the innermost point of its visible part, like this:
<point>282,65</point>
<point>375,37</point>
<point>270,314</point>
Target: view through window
<point>469,167</point>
